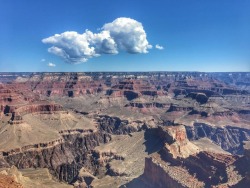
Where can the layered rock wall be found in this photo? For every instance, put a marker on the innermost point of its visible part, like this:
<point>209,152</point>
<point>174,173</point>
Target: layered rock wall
<point>64,158</point>
<point>229,138</point>
<point>157,176</point>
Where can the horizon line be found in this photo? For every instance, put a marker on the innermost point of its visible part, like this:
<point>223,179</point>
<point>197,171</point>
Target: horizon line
<point>120,71</point>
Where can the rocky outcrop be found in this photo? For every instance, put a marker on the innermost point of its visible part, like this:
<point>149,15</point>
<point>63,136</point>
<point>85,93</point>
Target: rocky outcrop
<point>176,143</point>
<point>65,159</point>
<point>229,138</point>
<point>160,174</point>
<point>105,158</point>
<point>84,179</point>
<point>115,125</point>
<point>199,97</point>
<point>179,164</point>
<point>130,95</point>
<point>210,168</point>
<point>175,107</point>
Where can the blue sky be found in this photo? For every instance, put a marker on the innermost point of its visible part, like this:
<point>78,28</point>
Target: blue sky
<point>197,35</point>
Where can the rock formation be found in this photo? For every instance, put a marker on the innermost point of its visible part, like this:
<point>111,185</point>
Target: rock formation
<point>181,164</point>
<point>140,129</point>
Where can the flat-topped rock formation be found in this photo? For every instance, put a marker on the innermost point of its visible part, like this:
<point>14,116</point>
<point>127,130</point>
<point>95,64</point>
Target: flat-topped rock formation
<point>40,128</point>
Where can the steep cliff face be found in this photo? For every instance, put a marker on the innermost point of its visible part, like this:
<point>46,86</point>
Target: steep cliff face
<point>176,143</point>
<point>161,174</point>
<point>115,125</point>
<point>243,164</point>
<point>210,167</point>
<point>64,160</point>
<point>163,169</point>
<point>158,176</point>
<point>42,108</point>
<point>179,165</point>
<point>45,107</point>
<point>203,170</point>
<point>229,138</point>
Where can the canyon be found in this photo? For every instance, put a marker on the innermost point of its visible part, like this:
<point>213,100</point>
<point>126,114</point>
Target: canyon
<point>124,129</point>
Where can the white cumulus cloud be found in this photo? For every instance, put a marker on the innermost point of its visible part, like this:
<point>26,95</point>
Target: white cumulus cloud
<point>123,34</point>
<point>51,64</point>
<point>129,35</point>
<point>157,46</point>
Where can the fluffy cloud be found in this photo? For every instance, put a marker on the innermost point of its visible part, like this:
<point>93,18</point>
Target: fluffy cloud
<point>123,34</point>
<point>157,46</point>
<point>51,64</point>
<point>129,35</point>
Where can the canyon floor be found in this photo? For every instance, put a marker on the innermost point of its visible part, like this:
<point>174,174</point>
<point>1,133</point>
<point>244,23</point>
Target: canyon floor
<point>144,129</point>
